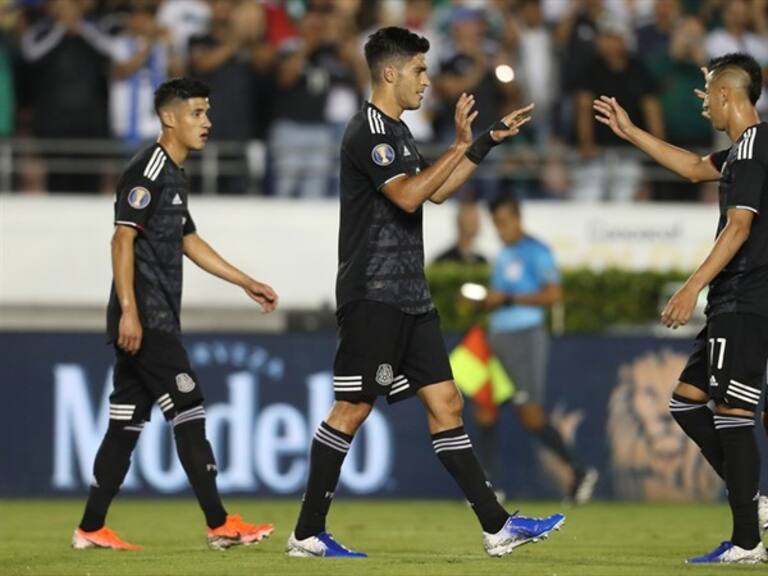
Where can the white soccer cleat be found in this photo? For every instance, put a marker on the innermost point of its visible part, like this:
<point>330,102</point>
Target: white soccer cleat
<point>322,545</point>
<point>519,530</point>
<point>762,514</point>
<point>727,553</point>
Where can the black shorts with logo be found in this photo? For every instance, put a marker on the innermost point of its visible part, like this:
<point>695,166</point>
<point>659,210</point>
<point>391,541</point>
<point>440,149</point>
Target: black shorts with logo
<point>159,372</point>
<point>383,351</point>
<point>728,361</point>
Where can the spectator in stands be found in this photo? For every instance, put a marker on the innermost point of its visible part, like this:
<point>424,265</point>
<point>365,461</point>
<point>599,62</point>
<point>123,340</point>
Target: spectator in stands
<point>467,228</point>
<point>536,68</point>
<point>574,35</point>
<point>608,168</point>
<point>736,36</point>
<point>655,37</point>
<point>677,73</point>
<point>469,65</point>
<point>69,70</point>
<point>7,85</point>
<point>183,19</point>
<point>309,68</point>
<point>225,58</point>
<point>143,58</point>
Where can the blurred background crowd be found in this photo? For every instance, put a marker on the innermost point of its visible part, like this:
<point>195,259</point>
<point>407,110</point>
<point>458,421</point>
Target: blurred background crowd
<point>77,79</point>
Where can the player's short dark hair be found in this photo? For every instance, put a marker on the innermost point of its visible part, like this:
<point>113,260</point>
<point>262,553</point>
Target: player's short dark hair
<point>505,201</point>
<point>745,63</point>
<point>179,89</point>
<point>392,42</point>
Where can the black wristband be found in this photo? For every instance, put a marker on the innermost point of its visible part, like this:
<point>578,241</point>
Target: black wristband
<point>509,300</point>
<point>482,145</point>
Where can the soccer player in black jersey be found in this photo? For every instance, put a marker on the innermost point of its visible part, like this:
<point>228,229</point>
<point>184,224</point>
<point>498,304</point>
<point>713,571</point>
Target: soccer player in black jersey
<point>153,231</point>
<point>390,342</point>
<point>729,355</point>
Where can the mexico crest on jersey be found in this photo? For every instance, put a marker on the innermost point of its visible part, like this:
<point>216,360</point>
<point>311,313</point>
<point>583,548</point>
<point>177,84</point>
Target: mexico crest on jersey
<point>385,375</point>
<point>184,382</point>
<point>383,154</point>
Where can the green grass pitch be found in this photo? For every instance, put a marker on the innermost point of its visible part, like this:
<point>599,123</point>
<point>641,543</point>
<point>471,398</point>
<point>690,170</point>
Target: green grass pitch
<point>403,538</point>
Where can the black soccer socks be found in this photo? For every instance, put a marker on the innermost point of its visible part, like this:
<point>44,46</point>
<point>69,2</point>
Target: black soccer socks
<point>109,469</point>
<point>329,448</point>
<point>197,459</point>
<point>454,450</point>
<point>742,476</point>
<point>696,420</point>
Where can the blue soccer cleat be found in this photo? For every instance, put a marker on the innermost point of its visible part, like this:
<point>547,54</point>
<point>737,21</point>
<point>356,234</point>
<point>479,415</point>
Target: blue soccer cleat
<point>728,553</point>
<point>519,530</point>
<point>321,546</point>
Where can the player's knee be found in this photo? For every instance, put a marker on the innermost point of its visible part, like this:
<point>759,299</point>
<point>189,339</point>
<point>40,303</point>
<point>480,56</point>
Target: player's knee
<point>446,408</point>
<point>114,456</point>
<point>347,417</point>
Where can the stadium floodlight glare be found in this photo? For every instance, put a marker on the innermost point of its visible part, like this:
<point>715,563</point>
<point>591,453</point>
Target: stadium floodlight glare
<point>505,73</point>
<point>474,292</point>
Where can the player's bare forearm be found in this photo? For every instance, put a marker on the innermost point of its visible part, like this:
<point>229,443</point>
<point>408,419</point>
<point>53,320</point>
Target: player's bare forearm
<point>459,175</point>
<point>410,192</point>
<point>202,254</point>
<point>691,166</point>
<point>123,267</point>
<point>680,161</point>
<point>728,243</point>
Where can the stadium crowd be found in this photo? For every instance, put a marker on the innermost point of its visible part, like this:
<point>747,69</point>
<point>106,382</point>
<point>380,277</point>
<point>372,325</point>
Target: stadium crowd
<point>77,79</point>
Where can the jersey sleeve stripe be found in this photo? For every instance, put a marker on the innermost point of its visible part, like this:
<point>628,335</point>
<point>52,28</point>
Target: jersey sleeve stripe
<point>128,223</point>
<point>152,160</point>
<point>752,137</point>
<point>153,175</point>
<point>377,117</point>
<point>372,122</point>
<point>388,180</point>
<point>750,208</point>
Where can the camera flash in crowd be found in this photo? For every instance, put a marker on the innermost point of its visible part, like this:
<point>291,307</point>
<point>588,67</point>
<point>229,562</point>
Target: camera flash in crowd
<point>505,73</point>
<point>474,292</point>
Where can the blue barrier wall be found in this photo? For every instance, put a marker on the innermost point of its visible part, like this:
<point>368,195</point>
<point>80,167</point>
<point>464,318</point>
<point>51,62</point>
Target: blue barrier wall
<point>266,393</point>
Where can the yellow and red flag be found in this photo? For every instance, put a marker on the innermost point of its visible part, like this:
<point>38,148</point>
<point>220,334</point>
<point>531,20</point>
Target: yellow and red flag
<point>478,373</point>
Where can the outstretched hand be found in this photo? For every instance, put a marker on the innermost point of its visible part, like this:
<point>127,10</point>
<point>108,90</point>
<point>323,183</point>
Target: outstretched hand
<point>514,121</point>
<point>262,294</point>
<point>463,116</point>
<point>702,95</point>
<point>609,112</point>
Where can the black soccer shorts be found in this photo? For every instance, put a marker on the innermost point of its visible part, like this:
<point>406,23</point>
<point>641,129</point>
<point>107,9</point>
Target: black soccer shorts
<point>728,361</point>
<point>385,352</point>
<point>160,372</point>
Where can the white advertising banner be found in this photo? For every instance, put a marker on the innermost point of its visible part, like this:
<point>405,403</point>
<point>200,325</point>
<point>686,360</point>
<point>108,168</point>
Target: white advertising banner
<point>55,250</point>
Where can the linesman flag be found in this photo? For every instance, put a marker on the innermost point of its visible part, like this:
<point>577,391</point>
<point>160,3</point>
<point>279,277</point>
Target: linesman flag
<point>478,373</point>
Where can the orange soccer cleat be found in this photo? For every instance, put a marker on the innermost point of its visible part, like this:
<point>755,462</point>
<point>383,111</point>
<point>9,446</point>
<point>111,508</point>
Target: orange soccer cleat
<point>235,532</point>
<point>101,538</point>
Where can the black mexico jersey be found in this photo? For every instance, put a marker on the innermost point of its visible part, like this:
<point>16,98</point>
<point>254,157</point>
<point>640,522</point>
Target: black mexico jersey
<point>381,249</point>
<point>742,286</point>
<point>152,197</point>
